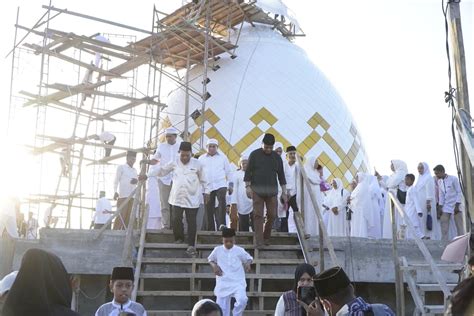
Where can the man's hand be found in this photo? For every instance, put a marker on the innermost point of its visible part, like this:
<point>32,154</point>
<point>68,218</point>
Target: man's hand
<point>206,198</point>
<point>248,191</point>
<point>142,177</point>
<point>116,196</point>
<point>134,181</point>
<point>230,190</point>
<point>217,270</point>
<point>335,210</point>
<point>284,197</point>
<point>420,214</point>
<point>439,211</point>
<point>456,208</point>
<point>248,266</point>
<point>313,309</point>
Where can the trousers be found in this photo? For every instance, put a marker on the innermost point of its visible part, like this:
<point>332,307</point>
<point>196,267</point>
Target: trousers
<point>165,205</point>
<point>218,212</point>
<point>263,231</point>
<point>239,306</point>
<point>444,221</point>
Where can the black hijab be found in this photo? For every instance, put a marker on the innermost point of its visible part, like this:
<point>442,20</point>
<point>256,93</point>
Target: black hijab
<point>42,287</point>
<point>302,269</point>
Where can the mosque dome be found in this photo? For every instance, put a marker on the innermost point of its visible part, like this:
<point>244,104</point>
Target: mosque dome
<point>272,86</point>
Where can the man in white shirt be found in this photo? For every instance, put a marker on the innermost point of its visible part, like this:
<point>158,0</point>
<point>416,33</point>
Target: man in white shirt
<point>449,201</point>
<point>240,203</point>
<point>103,211</point>
<point>126,180</point>
<point>218,173</point>
<point>165,153</point>
<point>291,174</point>
<point>228,262</point>
<point>185,196</point>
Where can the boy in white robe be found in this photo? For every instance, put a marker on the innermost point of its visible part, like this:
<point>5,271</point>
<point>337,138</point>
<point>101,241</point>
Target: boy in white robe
<point>228,262</point>
<point>121,285</point>
<point>412,208</point>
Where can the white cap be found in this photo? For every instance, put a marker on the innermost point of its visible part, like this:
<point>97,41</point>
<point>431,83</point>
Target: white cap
<point>243,157</point>
<point>171,131</point>
<point>212,141</point>
<point>278,145</point>
<point>7,282</point>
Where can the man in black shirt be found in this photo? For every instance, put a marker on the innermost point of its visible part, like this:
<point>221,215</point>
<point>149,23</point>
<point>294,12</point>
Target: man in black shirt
<point>264,168</point>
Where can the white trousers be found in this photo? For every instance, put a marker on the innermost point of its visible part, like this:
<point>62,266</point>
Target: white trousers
<point>239,306</point>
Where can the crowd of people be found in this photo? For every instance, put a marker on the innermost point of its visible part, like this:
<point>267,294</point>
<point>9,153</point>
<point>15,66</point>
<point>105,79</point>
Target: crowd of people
<point>266,189</point>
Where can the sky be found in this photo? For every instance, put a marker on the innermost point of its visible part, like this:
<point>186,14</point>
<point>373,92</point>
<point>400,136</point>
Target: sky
<point>386,58</point>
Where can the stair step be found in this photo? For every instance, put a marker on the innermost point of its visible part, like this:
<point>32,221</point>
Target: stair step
<point>187,313</point>
<point>434,309</point>
<point>412,266</point>
<point>202,293</point>
<point>433,287</point>
<point>212,276</point>
<point>204,261</point>
<point>219,234</point>
<point>152,245</point>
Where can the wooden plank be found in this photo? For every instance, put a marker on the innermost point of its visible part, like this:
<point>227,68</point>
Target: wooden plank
<point>319,216</point>
<point>202,293</point>
<point>421,245</point>
<point>396,261</point>
<point>212,246</point>
<point>204,261</point>
<point>141,247</point>
<point>429,287</point>
<point>413,288</point>
<point>199,275</point>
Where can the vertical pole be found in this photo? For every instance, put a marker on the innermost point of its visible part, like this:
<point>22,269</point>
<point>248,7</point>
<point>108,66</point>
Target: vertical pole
<point>204,76</point>
<point>12,71</point>
<point>321,249</point>
<point>462,95</point>
<point>396,260</point>
<point>186,102</point>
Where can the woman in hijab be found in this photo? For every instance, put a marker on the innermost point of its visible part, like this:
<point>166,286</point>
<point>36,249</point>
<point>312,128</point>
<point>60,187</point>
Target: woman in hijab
<point>362,207</point>
<point>395,182</point>
<point>336,201</point>
<point>42,287</point>
<point>378,207</point>
<point>311,224</point>
<point>425,197</point>
<point>287,304</point>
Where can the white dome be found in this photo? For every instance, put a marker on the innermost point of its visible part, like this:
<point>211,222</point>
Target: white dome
<point>272,86</point>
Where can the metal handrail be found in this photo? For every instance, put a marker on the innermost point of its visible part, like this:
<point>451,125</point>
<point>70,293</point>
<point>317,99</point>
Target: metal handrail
<point>323,234</point>
<point>421,245</point>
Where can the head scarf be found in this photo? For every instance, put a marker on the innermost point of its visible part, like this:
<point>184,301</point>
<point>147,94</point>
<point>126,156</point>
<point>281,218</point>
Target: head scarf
<point>398,175</point>
<point>423,178</point>
<point>302,269</point>
<point>42,287</point>
<point>311,172</point>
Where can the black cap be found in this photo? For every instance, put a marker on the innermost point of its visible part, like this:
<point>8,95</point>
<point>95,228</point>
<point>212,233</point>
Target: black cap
<point>269,139</point>
<point>131,153</point>
<point>185,146</point>
<point>123,273</point>
<point>228,232</point>
<point>290,148</point>
<point>331,281</point>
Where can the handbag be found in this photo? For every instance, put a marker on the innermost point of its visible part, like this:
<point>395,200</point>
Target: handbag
<point>429,222</point>
<point>401,196</point>
<point>348,214</point>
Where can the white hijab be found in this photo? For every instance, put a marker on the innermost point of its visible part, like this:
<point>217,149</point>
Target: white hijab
<point>335,197</point>
<point>311,172</point>
<point>401,170</point>
<point>362,197</point>
<point>423,178</point>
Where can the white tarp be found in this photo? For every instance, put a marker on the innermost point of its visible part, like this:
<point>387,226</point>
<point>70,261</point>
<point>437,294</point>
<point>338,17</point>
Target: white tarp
<point>278,7</point>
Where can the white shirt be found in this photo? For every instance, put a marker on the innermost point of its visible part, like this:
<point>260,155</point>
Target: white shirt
<point>291,177</point>
<point>231,262</point>
<point>102,205</point>
<point>449,193</point>
<point>165,153</point>
<point>217,170</point>
<point>123,177</point>
<point>114,309</point>
<point>239,196</point>
<point>187,179</point>
<point>106,137</point>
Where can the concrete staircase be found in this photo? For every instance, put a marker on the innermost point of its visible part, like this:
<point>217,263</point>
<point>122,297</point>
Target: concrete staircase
<point>171,282</point>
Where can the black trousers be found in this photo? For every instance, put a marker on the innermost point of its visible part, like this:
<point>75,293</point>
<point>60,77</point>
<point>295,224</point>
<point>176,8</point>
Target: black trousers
<point>284,221</point>
<point>98,226</point>
<point>178,227</point>
<point>245,222</point>
<point>219,212</point>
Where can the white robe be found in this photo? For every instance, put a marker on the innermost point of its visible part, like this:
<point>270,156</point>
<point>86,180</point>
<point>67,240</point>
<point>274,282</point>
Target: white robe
<point>311,224</point>
<point>8,218</point>
<point>153,201</point>
<point>396,180</point>
<point>337,198</point>
<point>377,208</point>
<point>425,191</point>
<point>362,208</point>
